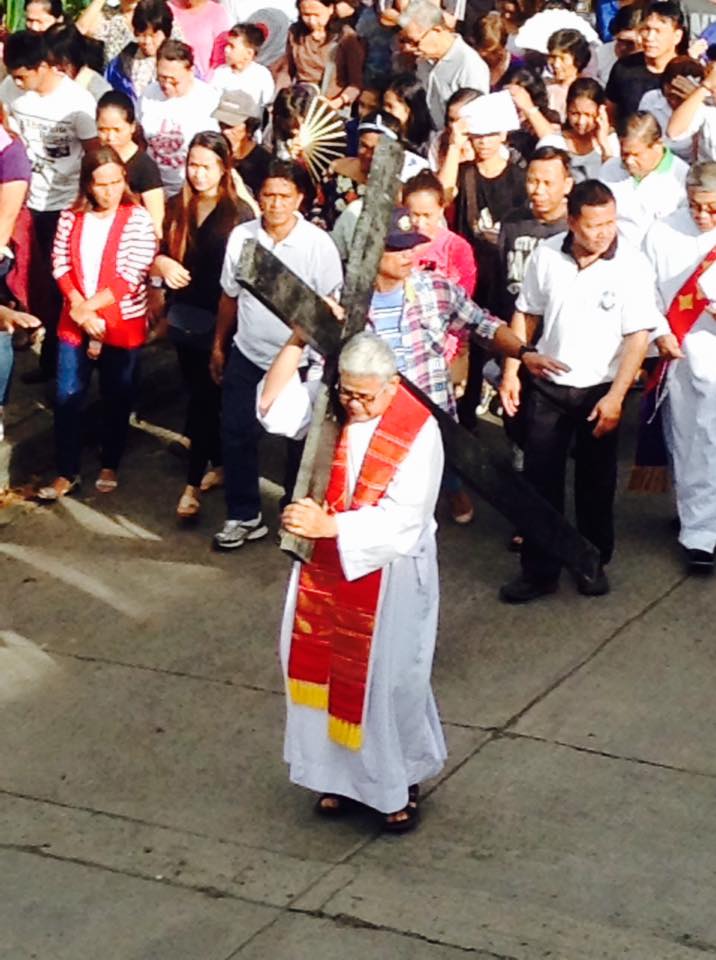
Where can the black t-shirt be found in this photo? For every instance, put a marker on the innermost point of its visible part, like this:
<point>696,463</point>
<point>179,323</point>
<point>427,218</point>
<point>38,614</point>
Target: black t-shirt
<point>204,257</point>
<point>142,173</point>
<point>480,206</point>
<point>519,235</point>
<point>253,168</point>
<point>628,82</point>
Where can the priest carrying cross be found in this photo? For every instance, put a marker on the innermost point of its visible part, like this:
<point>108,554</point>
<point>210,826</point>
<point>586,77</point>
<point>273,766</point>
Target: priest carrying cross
<point>360,621</point>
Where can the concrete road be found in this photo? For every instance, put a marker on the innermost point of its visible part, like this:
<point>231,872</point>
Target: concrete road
<point>145,812</point>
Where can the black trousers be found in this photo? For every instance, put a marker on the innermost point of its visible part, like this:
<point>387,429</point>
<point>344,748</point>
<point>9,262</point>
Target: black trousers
<point>240,435</point>
<point>45,224</point>
<point>556,418</point>
<point>203,417</point>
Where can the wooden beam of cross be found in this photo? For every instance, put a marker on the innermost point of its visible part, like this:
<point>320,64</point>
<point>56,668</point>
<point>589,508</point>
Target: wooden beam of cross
<point>282,292</point>
<point>366,250</point>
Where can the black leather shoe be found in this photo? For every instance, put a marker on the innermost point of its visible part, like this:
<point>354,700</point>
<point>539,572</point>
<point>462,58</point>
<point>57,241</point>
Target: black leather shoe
<point>522,590</point>
<point>700,561</point>
<point>594,587</point>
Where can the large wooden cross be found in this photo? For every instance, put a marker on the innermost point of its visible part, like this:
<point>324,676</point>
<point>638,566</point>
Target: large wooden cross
<point>288,297</point>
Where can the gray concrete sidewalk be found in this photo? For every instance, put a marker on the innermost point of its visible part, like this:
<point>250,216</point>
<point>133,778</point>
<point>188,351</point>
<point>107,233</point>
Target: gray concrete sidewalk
<point>28,447</point>
<point>145,812</point>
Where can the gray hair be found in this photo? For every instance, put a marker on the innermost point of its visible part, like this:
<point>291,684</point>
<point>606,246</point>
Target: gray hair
<point>366,355</point>
<point>702,176</point>
<point>424,13</point>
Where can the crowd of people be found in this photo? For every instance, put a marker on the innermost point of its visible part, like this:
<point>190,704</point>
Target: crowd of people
<point>554,241</point>
<point>133,164</point>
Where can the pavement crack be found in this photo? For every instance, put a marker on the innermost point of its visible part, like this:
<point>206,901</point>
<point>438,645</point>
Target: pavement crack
<point>182,674</point>
<point>572,671</point>
<point>205,890</point>
<point>153,824</point>
<point>350,920</point>
<point>606,754</point>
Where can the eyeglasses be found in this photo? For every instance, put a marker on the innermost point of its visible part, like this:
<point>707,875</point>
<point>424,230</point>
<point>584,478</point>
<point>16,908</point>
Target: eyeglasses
<point>364,399</point>
<point>409,44</point>
<point>707,208</point>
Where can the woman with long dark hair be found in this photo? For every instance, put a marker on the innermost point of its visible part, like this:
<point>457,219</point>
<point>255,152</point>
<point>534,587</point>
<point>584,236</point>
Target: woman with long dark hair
<point>104,246</point>
<point>405,98</point>
<point>198,222</point>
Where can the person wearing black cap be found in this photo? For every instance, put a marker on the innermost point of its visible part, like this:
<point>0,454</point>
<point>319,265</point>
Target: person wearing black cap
<point>414,311</point>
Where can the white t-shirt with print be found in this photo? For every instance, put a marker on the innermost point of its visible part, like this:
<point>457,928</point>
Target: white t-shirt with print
<point>255,81</point>
<point>52,127</point>
<point>169,123</point>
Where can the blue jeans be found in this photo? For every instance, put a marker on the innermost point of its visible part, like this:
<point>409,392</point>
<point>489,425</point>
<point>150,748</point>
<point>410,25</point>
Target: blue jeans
<point>240,440</point>
<point>7,359</point>
<point>117,369</point>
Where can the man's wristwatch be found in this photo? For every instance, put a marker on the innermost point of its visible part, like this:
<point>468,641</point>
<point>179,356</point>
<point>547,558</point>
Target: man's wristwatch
<point>526,348</point>
<point>156,282</point>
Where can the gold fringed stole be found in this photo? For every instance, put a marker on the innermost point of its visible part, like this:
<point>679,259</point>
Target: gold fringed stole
<point>335,618</point>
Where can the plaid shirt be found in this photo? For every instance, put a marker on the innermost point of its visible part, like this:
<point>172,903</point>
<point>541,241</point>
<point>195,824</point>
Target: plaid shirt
<point>432,308</point>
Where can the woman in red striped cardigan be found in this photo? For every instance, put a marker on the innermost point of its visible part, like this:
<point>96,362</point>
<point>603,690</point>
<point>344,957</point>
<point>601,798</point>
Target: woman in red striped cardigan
<point>103,249</point>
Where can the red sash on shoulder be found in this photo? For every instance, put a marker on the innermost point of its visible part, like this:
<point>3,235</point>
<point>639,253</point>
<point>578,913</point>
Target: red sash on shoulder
<point>335,618</point>
<point>684,310</point>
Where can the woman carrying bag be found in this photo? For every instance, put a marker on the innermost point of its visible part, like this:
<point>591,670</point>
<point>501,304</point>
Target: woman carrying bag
<point>104,246</point>
<point>198,222</point>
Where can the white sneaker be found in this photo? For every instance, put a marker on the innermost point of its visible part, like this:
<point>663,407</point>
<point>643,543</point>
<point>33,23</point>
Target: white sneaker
<point>235,533</point>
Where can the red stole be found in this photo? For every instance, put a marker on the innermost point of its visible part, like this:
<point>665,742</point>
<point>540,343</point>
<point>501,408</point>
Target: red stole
<point>335,618</point>
<point>684,310</point>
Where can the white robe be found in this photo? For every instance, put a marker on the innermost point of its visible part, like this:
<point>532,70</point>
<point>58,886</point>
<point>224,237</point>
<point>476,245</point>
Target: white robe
<point>676,247</point>
<point>403,741</point>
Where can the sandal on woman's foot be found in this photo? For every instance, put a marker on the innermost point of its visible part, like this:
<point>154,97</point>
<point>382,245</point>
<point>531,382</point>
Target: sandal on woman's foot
<point>189,504</point>
<point>332,805</point>
<point>60,487</point>
<point>106,482</point>
<point>406,819</point>
<point>212,478</point>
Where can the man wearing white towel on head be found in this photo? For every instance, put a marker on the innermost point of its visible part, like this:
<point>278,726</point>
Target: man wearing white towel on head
<point>360,621</point>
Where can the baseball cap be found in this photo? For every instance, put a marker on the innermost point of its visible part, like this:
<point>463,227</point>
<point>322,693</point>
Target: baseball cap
<point>234,107</point>
<point>401,235</point>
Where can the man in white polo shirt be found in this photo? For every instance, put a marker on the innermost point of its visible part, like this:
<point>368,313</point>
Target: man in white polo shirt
<point>445,62</point>
<point>592,299</point>
<point>258,335</point>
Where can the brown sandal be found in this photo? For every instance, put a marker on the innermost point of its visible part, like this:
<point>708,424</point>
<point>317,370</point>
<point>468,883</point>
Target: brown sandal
<point>189,504</point>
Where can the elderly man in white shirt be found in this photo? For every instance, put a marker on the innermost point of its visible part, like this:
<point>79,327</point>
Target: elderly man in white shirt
<point>248,337</point>
<point>445,62</point>
<point>592,298</point>
<point>679,248</point>
<point>647,180</point>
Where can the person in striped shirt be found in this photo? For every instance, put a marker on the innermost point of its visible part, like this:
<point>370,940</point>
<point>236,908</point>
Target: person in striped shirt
<point>104,246</point>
